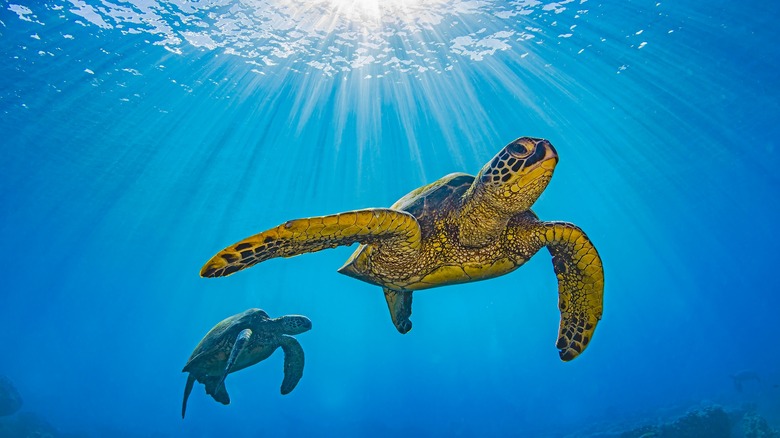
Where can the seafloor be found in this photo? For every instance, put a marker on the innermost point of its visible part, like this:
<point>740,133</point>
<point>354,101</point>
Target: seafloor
<point>750,412</point>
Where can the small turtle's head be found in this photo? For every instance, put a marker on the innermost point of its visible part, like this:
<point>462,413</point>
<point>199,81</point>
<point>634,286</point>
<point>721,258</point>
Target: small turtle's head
<point>518,174</point>
<point>294,324</point>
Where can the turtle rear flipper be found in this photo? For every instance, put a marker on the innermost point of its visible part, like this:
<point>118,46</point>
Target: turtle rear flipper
<point>580,285</point>
<point>397,228</point>
<point>293,363</point>
<point>215,387</point>
<point>400,305</point>
<point>187,391</point>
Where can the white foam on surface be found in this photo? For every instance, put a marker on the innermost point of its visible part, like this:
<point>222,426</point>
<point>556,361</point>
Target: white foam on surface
<point>333,36</point>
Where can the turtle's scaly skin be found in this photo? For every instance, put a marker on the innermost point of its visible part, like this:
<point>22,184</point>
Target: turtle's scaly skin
<point>209,359</point>
<point>458,229</point>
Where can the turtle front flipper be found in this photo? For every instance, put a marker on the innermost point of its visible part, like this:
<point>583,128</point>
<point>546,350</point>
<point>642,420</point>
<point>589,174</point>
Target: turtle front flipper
<point>241,341</point>
<point>293,363</point>
<point>580,285</point>
<point>400,305</point>
<point>299,236</point>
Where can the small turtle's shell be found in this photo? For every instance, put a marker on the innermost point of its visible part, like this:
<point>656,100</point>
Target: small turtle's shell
<point>221,337</point>
<point>430,203</point>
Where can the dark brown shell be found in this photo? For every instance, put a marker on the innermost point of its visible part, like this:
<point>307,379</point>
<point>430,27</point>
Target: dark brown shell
<point>221,337</point>
<point>431,202</point>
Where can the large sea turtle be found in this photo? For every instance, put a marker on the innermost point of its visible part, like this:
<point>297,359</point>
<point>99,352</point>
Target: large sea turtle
<point>458,229</point>
<point>241,341</point>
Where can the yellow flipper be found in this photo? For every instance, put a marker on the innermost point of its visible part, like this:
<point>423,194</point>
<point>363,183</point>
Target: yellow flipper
<point>580,285</point>
<point>400,305</point>
<point>397,229</point>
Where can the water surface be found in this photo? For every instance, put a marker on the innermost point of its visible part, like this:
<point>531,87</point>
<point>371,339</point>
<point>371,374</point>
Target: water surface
<point>140,137</point>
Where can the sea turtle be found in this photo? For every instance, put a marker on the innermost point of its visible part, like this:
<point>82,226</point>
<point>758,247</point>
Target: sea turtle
<point>458,229</point>
<point>241,341</point>
<point>744,376</point>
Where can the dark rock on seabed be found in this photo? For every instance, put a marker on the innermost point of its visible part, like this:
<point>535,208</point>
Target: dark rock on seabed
<point>10,400</point>
<point>756,426</point>
<point>27,424</point>
<point>710,422</point>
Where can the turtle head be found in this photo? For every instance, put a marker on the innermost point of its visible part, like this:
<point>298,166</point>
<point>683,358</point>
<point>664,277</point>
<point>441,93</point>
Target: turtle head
<point>294,324</point>
<point>513,180</point>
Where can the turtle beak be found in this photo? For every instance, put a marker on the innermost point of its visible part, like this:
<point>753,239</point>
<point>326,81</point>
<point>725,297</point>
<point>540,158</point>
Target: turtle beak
<point>549,151</point>
<point>544,154</point>
<point>552,151</point>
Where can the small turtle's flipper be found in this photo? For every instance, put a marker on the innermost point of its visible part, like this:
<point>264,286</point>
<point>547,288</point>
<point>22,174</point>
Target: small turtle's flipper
<point>215,387</point>
<point>299,236</point>
<point>241,342</point>
<point>400,305</point>
<point>221,395</point>
<point>580,285</point>
<point>293,363</point>
<point>187,391</point>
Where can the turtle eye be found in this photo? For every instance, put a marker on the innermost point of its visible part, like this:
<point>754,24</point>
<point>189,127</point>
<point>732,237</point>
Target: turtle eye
<point>521,148</point>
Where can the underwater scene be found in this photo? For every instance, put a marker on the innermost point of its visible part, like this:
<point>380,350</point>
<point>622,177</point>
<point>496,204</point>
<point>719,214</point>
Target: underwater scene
<point>375,218</point>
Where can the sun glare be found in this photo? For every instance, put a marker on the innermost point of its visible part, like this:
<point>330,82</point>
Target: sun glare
<point>372,11</point>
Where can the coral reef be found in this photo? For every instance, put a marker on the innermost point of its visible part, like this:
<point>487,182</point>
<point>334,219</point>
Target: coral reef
<point>756,426</point>
<point>642,432</point>
<point>711,422</point>
<point>23,424</point>
<point>27,425</point>
<point>10,400</point>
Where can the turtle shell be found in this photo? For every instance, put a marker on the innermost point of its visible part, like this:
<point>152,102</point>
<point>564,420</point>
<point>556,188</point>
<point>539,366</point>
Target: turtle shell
<point>222,336</point>
<point>431,202</point>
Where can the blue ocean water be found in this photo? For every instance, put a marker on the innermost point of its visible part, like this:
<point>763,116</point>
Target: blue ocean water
<point>139,137</point>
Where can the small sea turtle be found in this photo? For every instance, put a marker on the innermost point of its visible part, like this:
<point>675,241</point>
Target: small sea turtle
<point>241,341</point>
<point>458,229</point>
<point>744,376</point>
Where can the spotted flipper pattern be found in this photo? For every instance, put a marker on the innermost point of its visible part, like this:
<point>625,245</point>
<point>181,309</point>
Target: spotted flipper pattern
<point>580,285</point>
<point>396,228</point>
